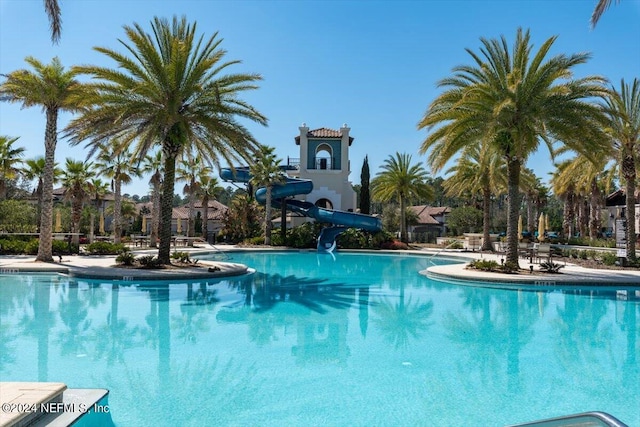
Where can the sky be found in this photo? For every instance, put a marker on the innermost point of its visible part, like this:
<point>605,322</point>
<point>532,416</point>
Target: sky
<point>373,65</point>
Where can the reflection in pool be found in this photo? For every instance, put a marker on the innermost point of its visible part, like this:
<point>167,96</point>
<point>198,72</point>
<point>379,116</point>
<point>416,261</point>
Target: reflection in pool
<point>359,339</point>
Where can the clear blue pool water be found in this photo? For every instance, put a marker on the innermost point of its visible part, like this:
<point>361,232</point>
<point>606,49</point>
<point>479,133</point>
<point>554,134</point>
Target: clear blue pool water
<point>309,340</point>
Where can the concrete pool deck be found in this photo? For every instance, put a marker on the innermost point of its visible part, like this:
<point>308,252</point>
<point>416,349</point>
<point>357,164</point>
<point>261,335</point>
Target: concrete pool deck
<point>570,274</point>
<point>104,267</point>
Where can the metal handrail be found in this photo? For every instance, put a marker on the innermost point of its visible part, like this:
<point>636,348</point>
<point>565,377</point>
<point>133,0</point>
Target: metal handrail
<point>585,419</point>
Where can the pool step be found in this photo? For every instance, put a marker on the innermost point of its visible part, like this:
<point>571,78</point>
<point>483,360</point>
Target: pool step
<point>33,404</point>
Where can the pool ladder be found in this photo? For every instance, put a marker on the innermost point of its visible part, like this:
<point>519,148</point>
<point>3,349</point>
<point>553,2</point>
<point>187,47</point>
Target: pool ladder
<point>585,419</point>
<point>225,257</point>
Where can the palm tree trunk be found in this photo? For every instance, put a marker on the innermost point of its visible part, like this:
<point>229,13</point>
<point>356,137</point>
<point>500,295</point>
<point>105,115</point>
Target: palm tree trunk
<point>76,217</point>
<point>568,214</point>
<point>594,208</point>
<point>513,192</point>
<point>166,212</point>
<point>267,217</point>
<point>46,223</point>
<point>192,202</point>
<point>92,224</point>
<point>205,217</point>
<point>531,216</point>
<point>155,213</point>
<point>629,172</point>
<point>117,210</point>
<point>403,221</point>
<point>486,217</point>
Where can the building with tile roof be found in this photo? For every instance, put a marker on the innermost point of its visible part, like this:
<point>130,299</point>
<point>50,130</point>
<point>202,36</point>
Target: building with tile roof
<point>431,223</point>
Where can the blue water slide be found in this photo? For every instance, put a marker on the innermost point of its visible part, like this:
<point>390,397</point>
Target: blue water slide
<point>341,220</point>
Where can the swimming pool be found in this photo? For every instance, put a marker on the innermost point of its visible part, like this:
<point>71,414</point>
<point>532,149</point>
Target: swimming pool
<point>309,339</point>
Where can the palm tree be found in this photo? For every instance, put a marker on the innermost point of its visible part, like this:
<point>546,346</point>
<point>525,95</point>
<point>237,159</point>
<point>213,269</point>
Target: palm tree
<point>588,181</point>
<point>189,171</point>
<point>9,159</point>
<point>600,8</point>
<point>114,161</point>
<point>516,99</point>
<point>478,170</point>
<point>208,189</point>
<point>53,89</point>
<point>153,164</point>
<point>623,108</point>
<point>75,179</point>
<point>170,91</point>
<point>98,189</point>
<point>55,19</point>
<point>399,179</point>
<point>34,170</point>
<point>266,172</point>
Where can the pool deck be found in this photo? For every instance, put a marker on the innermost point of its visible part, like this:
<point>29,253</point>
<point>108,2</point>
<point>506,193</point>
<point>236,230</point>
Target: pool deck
<point>104,267</point>
<point>570,274</point>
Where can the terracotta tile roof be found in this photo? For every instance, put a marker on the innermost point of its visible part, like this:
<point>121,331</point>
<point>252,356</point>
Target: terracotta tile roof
<point>426,213</point>
<point>216,210</point>
<point>323,133</point>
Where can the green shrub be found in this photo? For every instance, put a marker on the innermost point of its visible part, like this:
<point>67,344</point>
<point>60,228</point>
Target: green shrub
<point>12,245</point>
<point>608,258</point>
<point>181,256</point>
<point>276,239</point>
<point>509,267</point>
<point>394,245</point>
<point>253,241</point>
<point>126,258</point>
<point>304,236</point>
<point>354,238</point>
<point>582,254</point>
<point>62,247</point>
<point>550,267</point>
<point>106,248</point>
<point>149,261</point>
<point>484,265</point>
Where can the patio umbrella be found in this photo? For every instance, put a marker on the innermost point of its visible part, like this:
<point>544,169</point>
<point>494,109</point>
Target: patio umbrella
<point>179,229</point>
<point>101,229</point>
<point>541,228</point>
<point>58,227</point>
<point>520,227</point>
<point>144,224</point>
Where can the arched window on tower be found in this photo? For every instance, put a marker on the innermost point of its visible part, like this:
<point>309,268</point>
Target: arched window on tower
<point>324,157</point>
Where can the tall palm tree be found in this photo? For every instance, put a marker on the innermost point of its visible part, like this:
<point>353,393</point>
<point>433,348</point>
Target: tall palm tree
<point>599,10</point>
<point>188,171</point>
<point>516,100</point>
<point>208,189</point>
<point>75,178</point>
<point>266,172</point>
<point>114,161</point>
<point>53,89</point>
<point>170,90</point>
<point>399,179</point>
<point>9,161</point>
<point>98,189</point>
<point>480,169</point>
<point>33,169</point>
<point>52,8</point>
<point>152,164</point>
<point>623,108</point>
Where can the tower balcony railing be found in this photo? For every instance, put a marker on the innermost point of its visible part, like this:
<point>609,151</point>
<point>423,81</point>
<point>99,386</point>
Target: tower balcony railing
<point>323,163</point>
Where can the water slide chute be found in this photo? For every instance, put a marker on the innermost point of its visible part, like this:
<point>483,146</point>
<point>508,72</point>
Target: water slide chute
<point>340,220</point>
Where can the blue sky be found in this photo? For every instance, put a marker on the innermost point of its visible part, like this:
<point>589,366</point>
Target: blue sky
<point>371,64</point>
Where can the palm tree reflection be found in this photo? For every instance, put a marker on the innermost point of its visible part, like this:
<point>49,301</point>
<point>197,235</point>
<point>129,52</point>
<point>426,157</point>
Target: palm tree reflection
<point>399,322</point>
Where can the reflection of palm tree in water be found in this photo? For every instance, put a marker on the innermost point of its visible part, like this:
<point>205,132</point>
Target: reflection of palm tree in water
<point>487,339</point>
<point>585,347</point>
<point>115,335</point>
<point>191,321</point>
<point>38,325</point>
<point>73,313</point>
<point>401,321</point>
